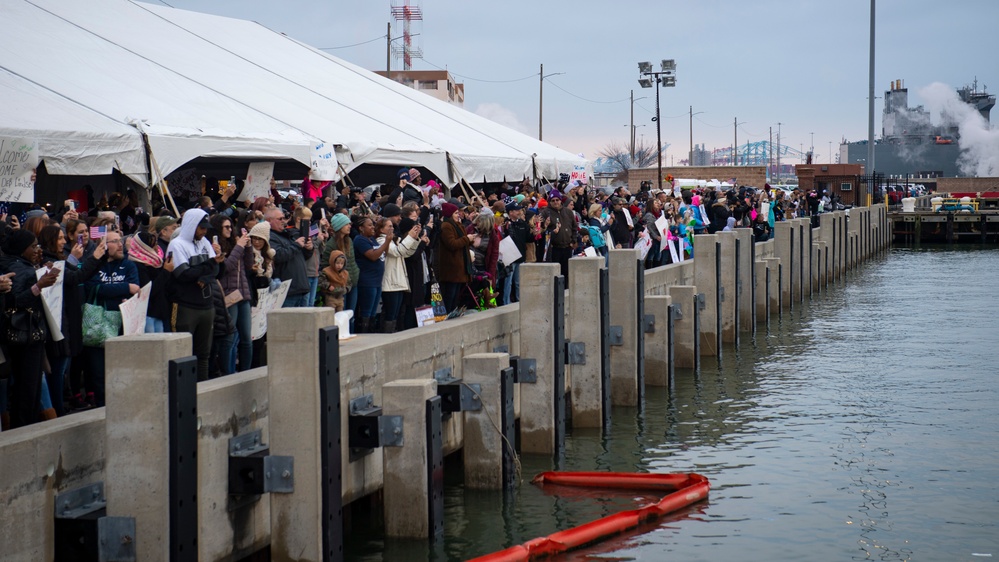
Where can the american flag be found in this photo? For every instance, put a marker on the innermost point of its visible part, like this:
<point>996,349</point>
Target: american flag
<point>313,230</point>
<point>98,232</point>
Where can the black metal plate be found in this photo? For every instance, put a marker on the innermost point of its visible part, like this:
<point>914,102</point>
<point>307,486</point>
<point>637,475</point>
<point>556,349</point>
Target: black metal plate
<point>331,456</point>
<point>183,432</point>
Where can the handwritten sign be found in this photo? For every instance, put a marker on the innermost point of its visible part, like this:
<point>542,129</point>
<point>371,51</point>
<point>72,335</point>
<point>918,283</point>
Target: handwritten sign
<point>258,180</point>
<point>672,250</point>
<point>266,302</point>
<point>52,300</point>
<point>324,167</point>
<point>578,174</point>
<point>185,183</point>
<point>424,316</point>
<point>644,244</point>
<point>134,310</point>
<point>18,160</point>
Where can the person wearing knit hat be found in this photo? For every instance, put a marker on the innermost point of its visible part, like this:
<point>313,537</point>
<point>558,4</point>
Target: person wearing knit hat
<point>402,174</point>
<point>414,176</point>
<point>392,211</point>
<point>261,230</point>
<point>338,221</point>
<point>25,360</point>
<point>17,242</point>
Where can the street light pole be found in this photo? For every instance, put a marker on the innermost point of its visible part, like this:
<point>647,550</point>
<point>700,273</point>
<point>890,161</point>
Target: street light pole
<point>541,98</point>
<point>632,130</point>
<point>541,95</point>
<point>667,79</point>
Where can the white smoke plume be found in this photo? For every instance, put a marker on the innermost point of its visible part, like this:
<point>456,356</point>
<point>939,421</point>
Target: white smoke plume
<point>979,142</point>
<point>499,114</point>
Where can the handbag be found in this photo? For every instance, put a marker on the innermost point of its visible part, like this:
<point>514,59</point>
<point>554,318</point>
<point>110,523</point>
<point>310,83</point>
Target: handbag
<point>99,323</point>
<point>23,326</point>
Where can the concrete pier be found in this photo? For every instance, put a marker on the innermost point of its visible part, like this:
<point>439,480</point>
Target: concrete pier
<point>706,281</point>
<point>482,452</point>
<point>745,281</point>
<point>684,349</point>
<point>774,290</point>
<point>295,429</point>
<point>137,444</point>
<point>624,267</point>
<point>762,292</point>
<point>583,326</point>
<point>729,295</point>
<point>406,491</point>
<point>657,343</point>
<point>537,400</point>
<point>785,238</point>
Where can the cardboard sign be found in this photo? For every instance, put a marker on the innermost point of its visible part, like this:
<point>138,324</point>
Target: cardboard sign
<point>258,180</point>
<point>662,227</point>
<point>52,300</point>
<point>18,160</point>
<point>424,316</point>
<point>266,301</point>
<point>324,165</point>
<point>643,245</point>
<point>508,251</point>
<point>134,310</point>
<point>578,174</point>
<point>590,252</point>
<point>627,218</point>
<point>672,250</point>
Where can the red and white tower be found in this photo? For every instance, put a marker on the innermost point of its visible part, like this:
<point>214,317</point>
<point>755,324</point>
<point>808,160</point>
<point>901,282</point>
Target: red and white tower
<point>407,13</point>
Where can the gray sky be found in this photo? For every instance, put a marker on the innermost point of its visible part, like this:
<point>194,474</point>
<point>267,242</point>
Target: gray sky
<point>803,63</point>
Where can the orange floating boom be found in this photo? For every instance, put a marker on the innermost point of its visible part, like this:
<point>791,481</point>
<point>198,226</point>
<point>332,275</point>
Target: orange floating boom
<point>685,490</point>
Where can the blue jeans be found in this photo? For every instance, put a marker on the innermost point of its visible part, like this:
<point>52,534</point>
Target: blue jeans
<point>313,286</point>
<point>350,303</point>
<point>391,305</point>
<point>511,285</point>
<point>154,325</point>
<point>367,301</point>
<point>243,348</point>
<point>295,301</point>
<point>55,382</point>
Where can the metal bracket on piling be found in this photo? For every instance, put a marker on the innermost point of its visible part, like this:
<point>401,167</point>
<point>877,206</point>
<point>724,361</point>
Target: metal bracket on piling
<point>575,353</point>
<point>455,395</point>
<point>525,369</point>
<point>253,472</point>
<point>721,293</point>
<point>616,335</point>
<point>83,531</point>
<point>649,324</point>
<point>677,311</point>
<point>368,429</point>
<point>701,303</point>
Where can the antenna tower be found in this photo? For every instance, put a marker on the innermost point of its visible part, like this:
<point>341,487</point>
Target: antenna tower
<point>406,14</point>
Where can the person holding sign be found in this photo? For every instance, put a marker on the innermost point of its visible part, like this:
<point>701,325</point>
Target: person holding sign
<point>116,280</point>
<point>22,254</point>
<point>77,270</point>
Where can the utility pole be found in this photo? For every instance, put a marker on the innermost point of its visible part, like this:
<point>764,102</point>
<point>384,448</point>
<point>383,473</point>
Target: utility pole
<point>691,163</point>
<point>735,141</point>
<point>778,151</point>
<point>632,130</point>
<point>770,157</point>
<point>541,97</point>
<point>388,51</point>
<point>870,104</point>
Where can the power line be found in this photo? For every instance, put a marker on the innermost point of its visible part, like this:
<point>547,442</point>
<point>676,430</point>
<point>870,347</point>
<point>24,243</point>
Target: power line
<point>699,120</point>
<point>585,99</point>
<point>380,37</point>
<point>528,77</point>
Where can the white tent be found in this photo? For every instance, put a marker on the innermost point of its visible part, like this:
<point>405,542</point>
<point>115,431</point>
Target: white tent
<point>101,73</point>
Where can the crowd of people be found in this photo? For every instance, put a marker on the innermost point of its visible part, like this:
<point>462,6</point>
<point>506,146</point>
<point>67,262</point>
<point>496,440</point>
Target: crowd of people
<point>387,254</point>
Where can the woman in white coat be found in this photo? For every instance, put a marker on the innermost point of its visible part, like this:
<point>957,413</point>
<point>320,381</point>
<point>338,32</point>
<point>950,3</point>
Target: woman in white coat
<point>395,282</point>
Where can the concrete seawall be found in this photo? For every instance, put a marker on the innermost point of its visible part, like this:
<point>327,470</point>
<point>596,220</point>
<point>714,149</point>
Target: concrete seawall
<point>41,461</point>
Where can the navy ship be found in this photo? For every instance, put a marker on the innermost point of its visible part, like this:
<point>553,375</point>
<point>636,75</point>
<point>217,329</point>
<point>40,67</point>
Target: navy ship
<point>910,145</point>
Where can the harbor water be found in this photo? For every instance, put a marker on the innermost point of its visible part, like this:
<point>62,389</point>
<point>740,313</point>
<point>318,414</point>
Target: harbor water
<point>862,425</point>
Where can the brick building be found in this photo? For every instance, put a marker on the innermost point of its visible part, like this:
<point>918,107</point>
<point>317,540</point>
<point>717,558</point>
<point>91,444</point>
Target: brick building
<point>837,179</point>
<point>755,176</point>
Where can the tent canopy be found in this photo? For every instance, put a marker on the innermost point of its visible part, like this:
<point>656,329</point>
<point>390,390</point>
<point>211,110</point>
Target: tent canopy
<point>92,77</point>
